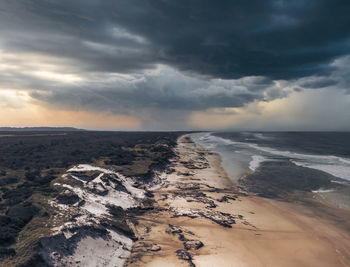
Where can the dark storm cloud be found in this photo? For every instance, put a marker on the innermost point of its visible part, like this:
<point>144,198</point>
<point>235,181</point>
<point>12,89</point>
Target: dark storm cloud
<point>82,33</point>
<point>222,39</point>
<point>230,39</point>
<point>319,83</point>
<point>159,60</point>
<point>343,73</point>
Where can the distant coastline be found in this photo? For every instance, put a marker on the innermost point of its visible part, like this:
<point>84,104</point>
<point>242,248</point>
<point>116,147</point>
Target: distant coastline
<point>40,129</point>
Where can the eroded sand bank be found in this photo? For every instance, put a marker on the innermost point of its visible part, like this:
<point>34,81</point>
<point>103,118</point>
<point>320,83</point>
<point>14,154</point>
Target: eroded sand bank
<point>202,219</point>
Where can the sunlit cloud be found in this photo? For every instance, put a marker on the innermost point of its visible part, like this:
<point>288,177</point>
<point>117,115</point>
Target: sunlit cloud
<point>13,99</point>
<point>57,77</point>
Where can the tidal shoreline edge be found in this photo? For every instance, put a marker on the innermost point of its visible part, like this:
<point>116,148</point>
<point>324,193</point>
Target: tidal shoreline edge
<point>231,227</point>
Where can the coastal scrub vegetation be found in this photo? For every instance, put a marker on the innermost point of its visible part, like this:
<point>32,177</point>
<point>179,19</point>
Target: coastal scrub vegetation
<point>30,162</point>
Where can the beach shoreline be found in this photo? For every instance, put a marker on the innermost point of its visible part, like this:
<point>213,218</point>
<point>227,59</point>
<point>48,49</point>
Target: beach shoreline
<point>200,218</point>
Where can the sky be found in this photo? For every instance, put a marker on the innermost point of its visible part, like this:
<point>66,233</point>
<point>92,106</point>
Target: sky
<point>176,64</point>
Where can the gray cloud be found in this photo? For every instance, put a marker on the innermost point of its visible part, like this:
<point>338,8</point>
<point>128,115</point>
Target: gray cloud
<point>342,75</point>
<point>165,89</point>
<point>153,59</point>
<point>318,82</point>
<point>226,39</point>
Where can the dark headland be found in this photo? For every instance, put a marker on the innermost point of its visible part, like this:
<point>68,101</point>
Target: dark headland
<point>39,129</point>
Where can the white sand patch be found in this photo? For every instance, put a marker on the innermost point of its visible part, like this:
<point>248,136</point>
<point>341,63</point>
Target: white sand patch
<point>92,252</point>
<point>98,249</point>
<point>96,204</point>
<point>94,249</point>
<point>99,192</point>
<point>87,167</point>
<point>158,180</point>
<point>127,182</point>
<point>136,192</point>
<point>56,205</point>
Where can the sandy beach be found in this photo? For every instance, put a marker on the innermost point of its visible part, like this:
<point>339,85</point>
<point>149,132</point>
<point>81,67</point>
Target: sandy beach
<point>202,219</point>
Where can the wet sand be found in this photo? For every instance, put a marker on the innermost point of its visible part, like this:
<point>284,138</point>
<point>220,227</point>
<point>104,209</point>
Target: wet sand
<point>202,219</point>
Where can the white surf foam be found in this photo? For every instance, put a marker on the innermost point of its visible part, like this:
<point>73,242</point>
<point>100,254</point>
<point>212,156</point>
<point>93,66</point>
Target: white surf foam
<point>334,165</point>
<point>337,170</point>
<point>323,191</point>
<point>216,139</point>
<point>340,182</point>
<point>256,161</point>
<point>290,154</point>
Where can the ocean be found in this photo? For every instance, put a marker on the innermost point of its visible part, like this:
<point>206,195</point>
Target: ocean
<point>274,164</point>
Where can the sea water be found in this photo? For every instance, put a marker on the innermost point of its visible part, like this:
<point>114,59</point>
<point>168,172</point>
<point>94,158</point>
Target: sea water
<point>328,152</point>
